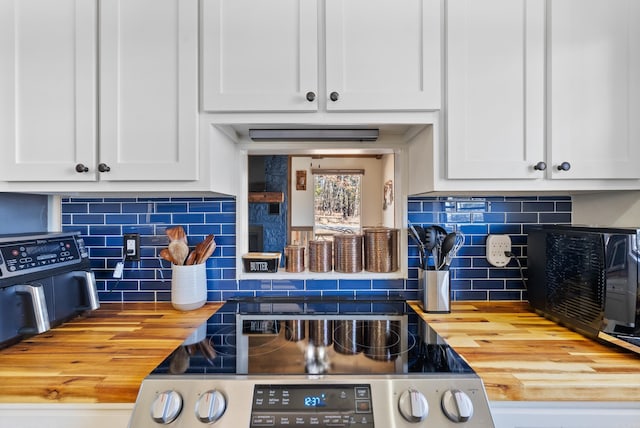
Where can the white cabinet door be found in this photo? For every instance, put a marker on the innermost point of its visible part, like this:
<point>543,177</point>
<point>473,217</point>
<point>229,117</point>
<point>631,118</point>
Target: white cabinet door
<point>148,89</point>
<point>494,88</point>
<point>383,55</point>
<point>264,56</point>
<point>260,55</point>
<point>594,83</point>
<point>47,89</point>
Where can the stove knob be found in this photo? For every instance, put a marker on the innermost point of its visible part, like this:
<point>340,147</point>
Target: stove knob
<point>413,406</point>
<point>166,407</point>
<point>211,406</point>
<point>457,405</point>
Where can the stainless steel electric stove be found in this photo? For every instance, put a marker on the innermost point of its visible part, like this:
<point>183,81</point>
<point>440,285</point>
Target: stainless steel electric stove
<point>294,362</point>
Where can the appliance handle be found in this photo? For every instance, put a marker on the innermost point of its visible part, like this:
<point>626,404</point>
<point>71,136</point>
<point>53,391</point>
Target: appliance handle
<point>39,304</point>
<point>91,292</point>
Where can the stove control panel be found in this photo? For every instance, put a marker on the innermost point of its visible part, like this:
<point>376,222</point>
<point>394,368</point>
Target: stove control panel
<point>316,401</point>
<point>341,405</point>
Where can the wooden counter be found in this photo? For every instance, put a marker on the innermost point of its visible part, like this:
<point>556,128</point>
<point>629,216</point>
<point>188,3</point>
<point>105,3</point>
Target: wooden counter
<point>522,356</point>
<point>101,357</point>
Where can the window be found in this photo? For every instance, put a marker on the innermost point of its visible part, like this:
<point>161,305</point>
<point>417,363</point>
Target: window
<point>337,201</point>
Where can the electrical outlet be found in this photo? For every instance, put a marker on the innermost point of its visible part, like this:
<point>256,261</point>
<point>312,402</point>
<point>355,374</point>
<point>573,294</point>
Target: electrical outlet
<point>131,244</point>
<point>497,246</point>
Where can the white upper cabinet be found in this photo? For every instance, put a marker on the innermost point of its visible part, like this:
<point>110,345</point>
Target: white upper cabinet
<point>144,95</point>
<point>543,90</point>
<point>47,89</point>
<point>310,55</point>
<point>494,119</point>
<point>383,55</point>
<point>149,89</point>
<point>594,88</point>
<point>260,55</point>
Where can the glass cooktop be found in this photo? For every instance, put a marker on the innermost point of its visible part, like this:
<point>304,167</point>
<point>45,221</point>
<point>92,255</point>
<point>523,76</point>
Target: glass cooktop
<point>281,336</point>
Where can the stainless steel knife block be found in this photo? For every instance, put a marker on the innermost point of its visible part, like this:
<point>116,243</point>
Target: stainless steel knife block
<point>434,290</point>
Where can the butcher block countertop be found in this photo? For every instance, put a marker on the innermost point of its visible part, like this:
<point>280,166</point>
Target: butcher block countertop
<point>103,356</point>
<point>100,357</point>
<point>522,356</point>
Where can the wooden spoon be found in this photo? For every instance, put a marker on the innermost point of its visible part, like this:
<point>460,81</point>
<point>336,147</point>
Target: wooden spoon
<point>192,258</point>
<point>179,362</point>
<point>176,233</point>
<point>204,249</point>
<point>207,350</point>
<point>208,251</point>
<point>166,255</point>
<point>179,252</point>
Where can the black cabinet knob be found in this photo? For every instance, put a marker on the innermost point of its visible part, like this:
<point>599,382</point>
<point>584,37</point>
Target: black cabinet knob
<point>103,167</point>
<point>564,166</point>
<point>334,96</point>
<point>540,166</point>
<point>81,168</point>
<point>311,96</point>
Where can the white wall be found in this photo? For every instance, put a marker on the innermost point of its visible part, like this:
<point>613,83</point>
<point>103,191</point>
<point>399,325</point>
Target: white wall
<point>372,188</point>
<point>301,200</point>
<point>388,217</point>
<point>607,209</point>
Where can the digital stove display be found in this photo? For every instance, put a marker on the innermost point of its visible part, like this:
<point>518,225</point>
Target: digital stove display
<point>316,400</point>
<point>302,406</point>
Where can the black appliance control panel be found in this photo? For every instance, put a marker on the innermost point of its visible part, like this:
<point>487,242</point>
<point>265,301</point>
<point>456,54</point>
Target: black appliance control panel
<point>40,253</point>
<point>342,405</point>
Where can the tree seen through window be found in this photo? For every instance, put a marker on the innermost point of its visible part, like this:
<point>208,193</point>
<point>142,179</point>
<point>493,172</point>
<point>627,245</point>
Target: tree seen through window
<point>337,203</point>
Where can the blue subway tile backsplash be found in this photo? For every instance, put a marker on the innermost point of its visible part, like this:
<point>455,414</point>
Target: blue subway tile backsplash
<point>472,277</point>
<point>103,221</point>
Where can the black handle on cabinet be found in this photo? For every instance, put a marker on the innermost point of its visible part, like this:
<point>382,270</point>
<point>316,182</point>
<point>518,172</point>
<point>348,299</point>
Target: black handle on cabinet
<point>564,166</point>
<point>540,166</point>
<point>334,96</point>
<point>311,96</point>
<point>103,167</point>
<point>81,168</point>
